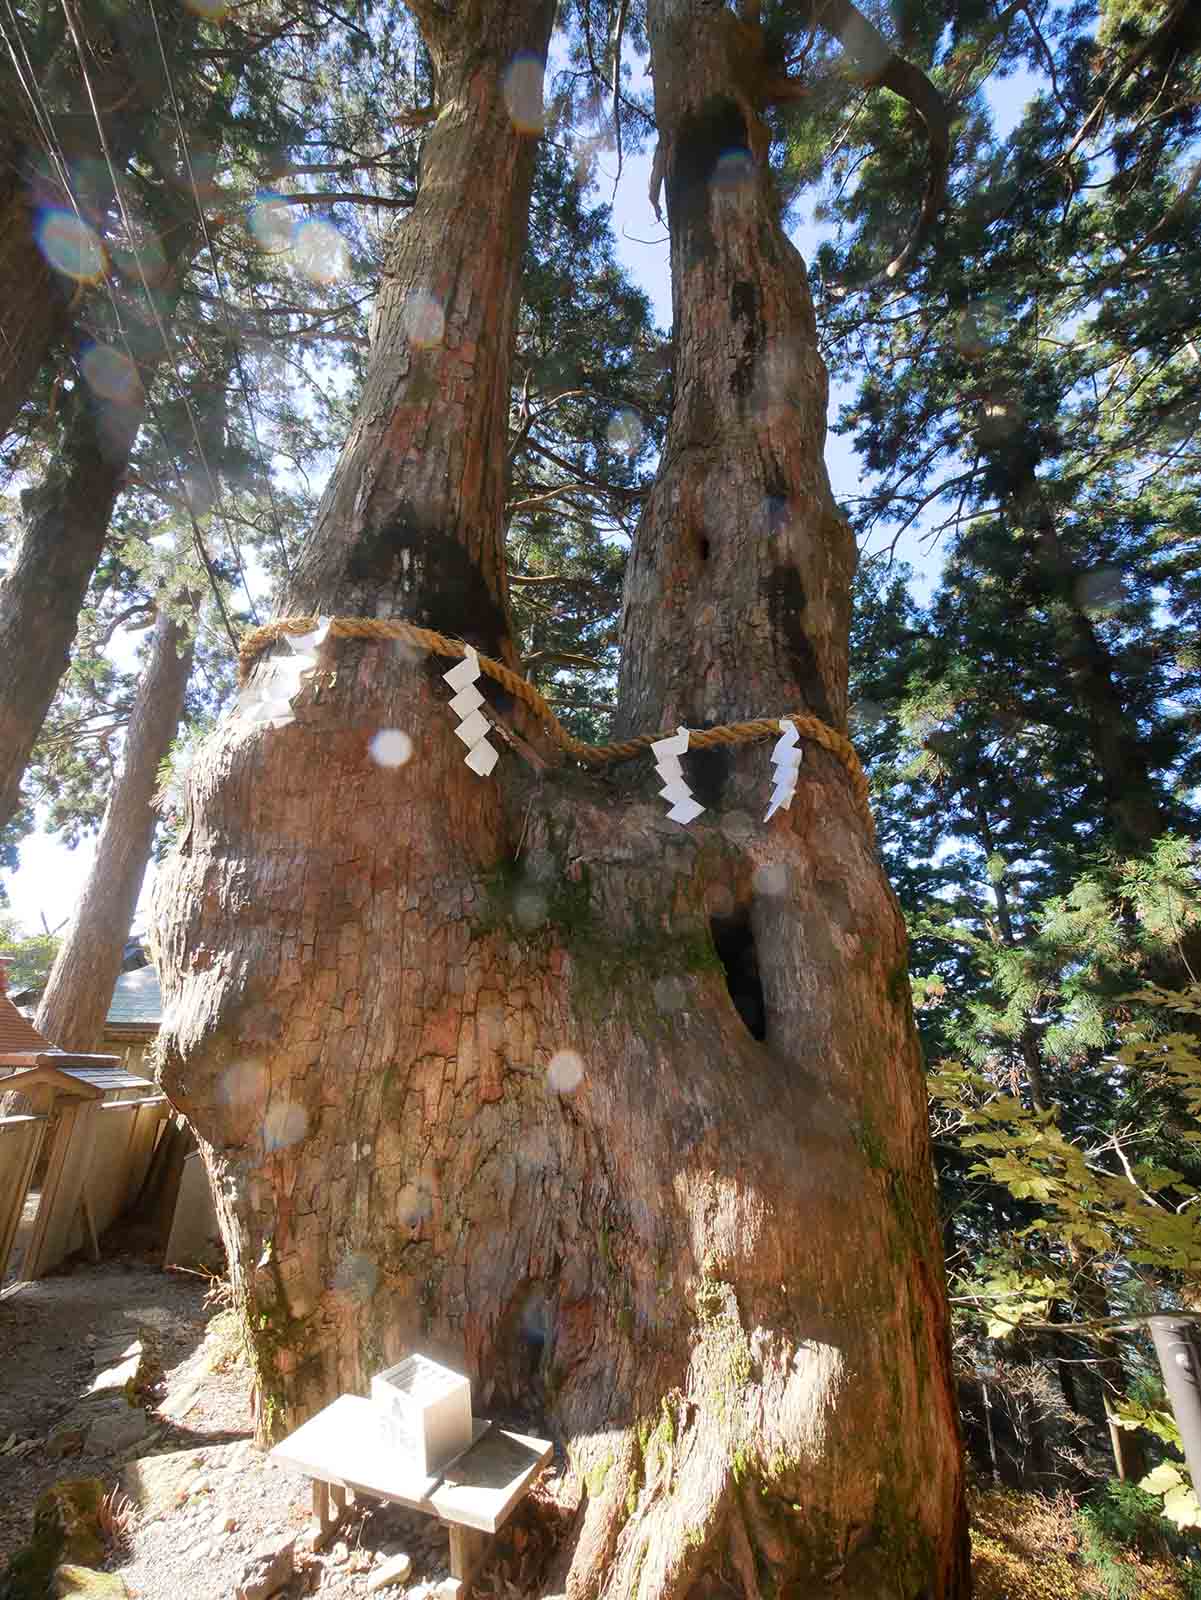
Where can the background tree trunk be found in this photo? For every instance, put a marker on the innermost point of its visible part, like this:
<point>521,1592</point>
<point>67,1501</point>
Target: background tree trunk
<point>79,989</point>
<point>462,1053</point>
<point>66,521</point>
<point>32,304</point>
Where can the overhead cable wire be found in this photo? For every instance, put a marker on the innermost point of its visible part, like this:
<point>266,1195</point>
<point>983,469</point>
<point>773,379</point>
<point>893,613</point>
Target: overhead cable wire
<point>208,239</point>
<point>162,332</point>
<point>57,156</point>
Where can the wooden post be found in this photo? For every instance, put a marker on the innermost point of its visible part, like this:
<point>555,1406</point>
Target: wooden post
<point>329,1503</point>
<point>467,1548</point>
<point>16,1185</point>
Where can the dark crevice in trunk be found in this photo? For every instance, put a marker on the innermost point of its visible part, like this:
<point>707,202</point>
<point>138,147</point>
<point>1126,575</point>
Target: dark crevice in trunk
<point>735,945</point>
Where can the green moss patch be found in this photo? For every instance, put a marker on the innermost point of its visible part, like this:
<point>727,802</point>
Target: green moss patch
<point>66,1529</point>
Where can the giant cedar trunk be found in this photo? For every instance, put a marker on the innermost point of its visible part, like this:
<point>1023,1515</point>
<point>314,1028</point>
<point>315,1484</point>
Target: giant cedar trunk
<point>461,1053</point>
<point>80,987</point>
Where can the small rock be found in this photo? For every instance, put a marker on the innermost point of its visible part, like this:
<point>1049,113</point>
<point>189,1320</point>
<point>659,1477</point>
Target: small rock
<point>118,1348</point>
<point>339,1553</point>
<point>201,1551</point>
<point>156,1483</point>
<point>224,1522</point>
<point>126,1371</point>
<point>85,1583</point>
<point>111,1434</point>
<point>395,1570</point>
<point>269,1568</point>
<point>66,1440</point>
<point>200,1485</point>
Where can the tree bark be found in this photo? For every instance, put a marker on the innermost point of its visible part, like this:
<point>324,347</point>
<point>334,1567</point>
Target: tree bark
<point>79,989</point>
<point>462,1055</point>
<point>66,521</point>
<point>32,302</point>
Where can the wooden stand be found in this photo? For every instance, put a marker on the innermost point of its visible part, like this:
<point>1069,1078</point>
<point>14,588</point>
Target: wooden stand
<point>339,1450</point>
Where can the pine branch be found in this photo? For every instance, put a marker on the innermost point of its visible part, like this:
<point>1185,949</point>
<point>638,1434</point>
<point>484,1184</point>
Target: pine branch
<point>883,68</point>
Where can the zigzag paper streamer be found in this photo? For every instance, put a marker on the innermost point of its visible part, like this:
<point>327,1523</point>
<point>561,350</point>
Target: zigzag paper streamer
<point>269,699</point>
<point>667,753</point>
<point>474,727</point>
<point>786,760</point>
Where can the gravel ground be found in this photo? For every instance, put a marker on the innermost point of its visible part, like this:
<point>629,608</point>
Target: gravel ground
<point>221,1498</point>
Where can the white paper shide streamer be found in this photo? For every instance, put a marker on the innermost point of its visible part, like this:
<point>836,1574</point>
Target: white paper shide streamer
<point>667,753</point>
<point>269,698</point>
<point>474,727</point>
<point>786,762</point>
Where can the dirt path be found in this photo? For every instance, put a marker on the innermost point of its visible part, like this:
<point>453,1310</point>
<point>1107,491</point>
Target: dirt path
<point>218,1499</point>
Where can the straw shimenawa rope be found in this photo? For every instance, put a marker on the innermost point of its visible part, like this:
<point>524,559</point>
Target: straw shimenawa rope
<point>591,755</point>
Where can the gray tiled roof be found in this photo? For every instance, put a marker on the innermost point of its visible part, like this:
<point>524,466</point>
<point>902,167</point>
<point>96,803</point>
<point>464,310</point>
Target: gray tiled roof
<point>104,1077</point>
<point>136,1000</point>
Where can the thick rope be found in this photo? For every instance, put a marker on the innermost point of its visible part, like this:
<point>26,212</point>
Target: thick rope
<point>591,755</point>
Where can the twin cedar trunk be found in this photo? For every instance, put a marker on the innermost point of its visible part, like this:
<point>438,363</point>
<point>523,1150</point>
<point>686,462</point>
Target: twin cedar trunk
<point>461,1051</point>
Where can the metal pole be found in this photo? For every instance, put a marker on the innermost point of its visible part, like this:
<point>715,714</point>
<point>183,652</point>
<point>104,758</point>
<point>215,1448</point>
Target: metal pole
<point>1179,1350</point>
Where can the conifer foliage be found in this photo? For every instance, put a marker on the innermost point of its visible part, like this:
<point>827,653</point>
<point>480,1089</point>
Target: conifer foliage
<point>312,310</point>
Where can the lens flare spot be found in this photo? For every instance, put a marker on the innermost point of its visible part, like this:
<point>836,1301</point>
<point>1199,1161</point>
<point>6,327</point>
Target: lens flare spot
<point>414,1204</point>
<point>565,1071</point>
<point>423,319</point>
<point>1101,590</point>
<point>738,827</point>
<point>356,1276</point>
<point>772,880</point>
<point>320,252</point>
<point>624,433</point>
<point>779,381</point>
<point>71,246</point>
<point>243,1083</point>
<point>523,93</point>
<point>535,1319</point>
<point>529,909</point>
<point>671,995</point>
<point>111,374</point>
<point>865,715</point>
<point>734,172</point>
<point>390,748</point>
<point>270,223</point>
<point>285,1124</point>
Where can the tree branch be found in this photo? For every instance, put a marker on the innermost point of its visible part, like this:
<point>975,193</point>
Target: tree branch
<point>558,658</point>
<point>883,68</point>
